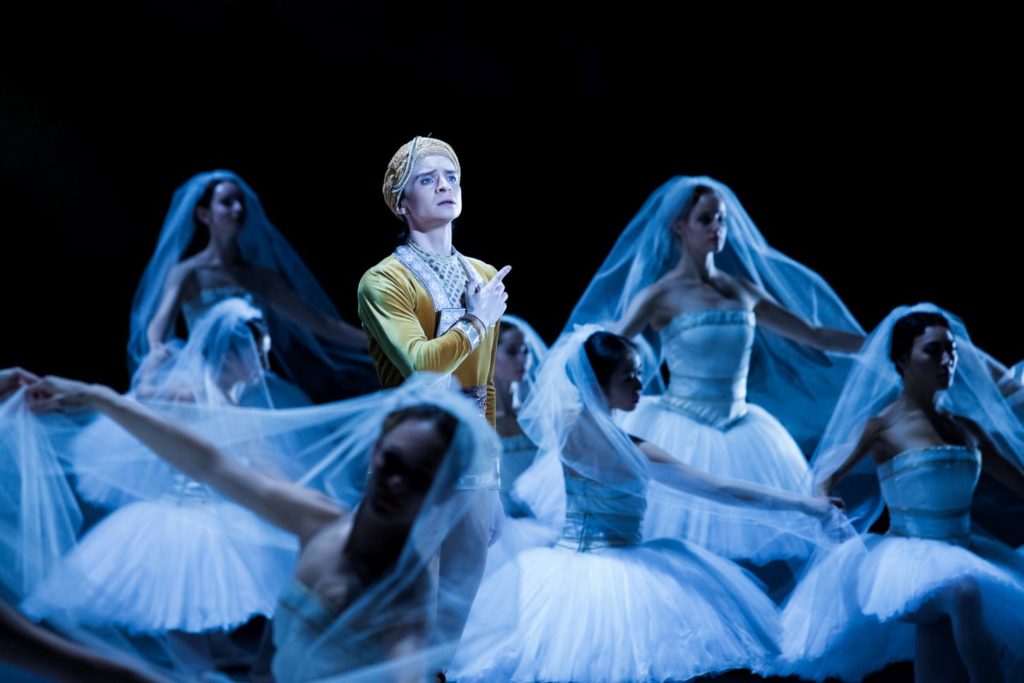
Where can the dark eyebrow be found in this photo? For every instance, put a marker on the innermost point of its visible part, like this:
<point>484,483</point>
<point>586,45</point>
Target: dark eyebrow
<point>447,170</point>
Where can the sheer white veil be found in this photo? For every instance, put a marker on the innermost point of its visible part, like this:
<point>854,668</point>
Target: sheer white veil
<point>795,383</point>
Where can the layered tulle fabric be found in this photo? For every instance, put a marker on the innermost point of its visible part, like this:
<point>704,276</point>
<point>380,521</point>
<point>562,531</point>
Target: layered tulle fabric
<point>855,610</point>
<point>652,612</point>
<point>754,449</point>
<point>853,613</point>
<point>173,565</point>
<point>703,419</point>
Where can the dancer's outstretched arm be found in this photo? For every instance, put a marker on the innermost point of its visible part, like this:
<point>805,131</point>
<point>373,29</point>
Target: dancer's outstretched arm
<point>296,509</point>
<point>732,492</point>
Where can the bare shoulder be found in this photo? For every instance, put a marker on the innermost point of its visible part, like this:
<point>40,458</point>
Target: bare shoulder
<point>740,286</point>
<point>321,548</point>
<point>661,288</point>
<point>888,416</point>
<point>876,436</point>
<point>669,280</point>
<point>331,529</point>
<point>186,267</point>
<point>184,277</point>
<point>650,301</point>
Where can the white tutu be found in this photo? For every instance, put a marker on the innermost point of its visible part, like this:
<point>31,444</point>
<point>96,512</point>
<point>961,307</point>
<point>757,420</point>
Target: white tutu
<point>170,566</point>
<point>112,468</point>
<point>518,534</point>
<point>650,612</point>
<point>755,448</point>
<point>845,618</point>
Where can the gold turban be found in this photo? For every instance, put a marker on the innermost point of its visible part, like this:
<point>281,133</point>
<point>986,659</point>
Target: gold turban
<point>405,158</point>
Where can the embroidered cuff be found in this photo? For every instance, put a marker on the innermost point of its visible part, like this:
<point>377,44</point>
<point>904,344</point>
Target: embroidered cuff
<point>469,331</point>
<point>479,324</point>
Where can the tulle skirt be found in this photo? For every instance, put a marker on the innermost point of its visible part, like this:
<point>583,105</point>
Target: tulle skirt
<point>651,612</point>
<point>518,534</point>
<point>169,565</point>
<point>852,613</point>
<point>756,449</point>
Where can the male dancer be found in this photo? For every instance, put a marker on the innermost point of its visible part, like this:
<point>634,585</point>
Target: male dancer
<point>427,307</point>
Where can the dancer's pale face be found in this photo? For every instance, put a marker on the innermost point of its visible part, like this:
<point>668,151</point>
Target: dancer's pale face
<point>931,364</point>
<point>511,356</point>
<point>226,213</point>
<point>703,231</point>
<point>404,463</point>
<point>433,195</point>
<point>622,390</point>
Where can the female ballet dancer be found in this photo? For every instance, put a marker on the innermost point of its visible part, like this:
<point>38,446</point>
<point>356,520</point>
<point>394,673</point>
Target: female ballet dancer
<point>747,334</point>
<point>366,591</point>
<point>246,256</point>
<point>923,404</point>
<point>602,605</point>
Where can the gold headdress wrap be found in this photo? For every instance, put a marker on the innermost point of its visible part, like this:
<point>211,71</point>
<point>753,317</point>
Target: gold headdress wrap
<point>405,158</point>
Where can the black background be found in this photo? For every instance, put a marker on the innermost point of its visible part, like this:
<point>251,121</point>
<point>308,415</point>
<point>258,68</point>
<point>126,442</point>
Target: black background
<point>880,150</point>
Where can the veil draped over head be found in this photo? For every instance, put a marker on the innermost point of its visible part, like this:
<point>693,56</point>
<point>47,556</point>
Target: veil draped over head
<point>402,624</point>
<point>795,383</point>
<point>568,417</point>
<point>302,355</point>
<point>874,383</point>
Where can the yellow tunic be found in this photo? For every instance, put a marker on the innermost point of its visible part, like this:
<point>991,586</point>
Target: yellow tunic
<point>399,317</point>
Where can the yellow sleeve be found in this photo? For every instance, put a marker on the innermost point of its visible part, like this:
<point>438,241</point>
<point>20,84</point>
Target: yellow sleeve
<point>387,309</point>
